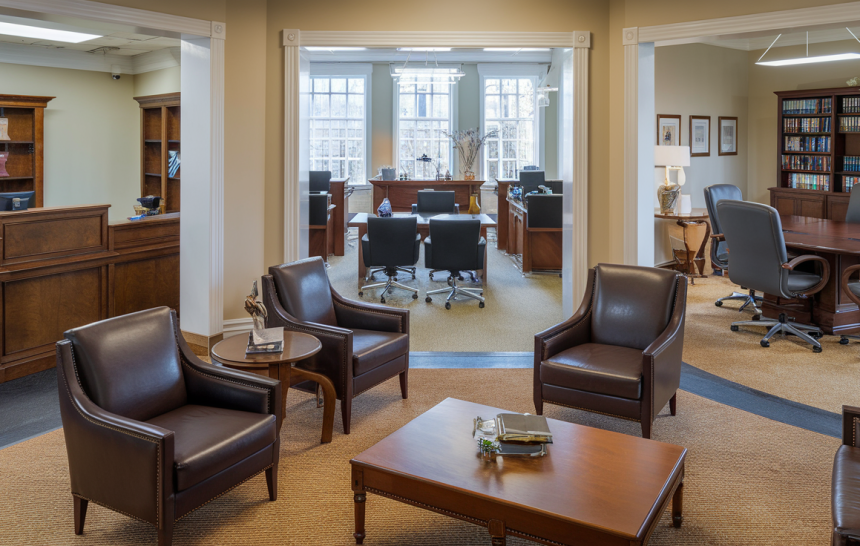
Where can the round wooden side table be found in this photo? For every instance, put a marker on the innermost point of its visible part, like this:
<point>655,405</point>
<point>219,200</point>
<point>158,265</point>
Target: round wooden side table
<point>697,217</point>
<point>297,346</point>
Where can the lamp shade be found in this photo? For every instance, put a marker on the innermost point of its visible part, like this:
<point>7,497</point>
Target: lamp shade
<point>672,156</point>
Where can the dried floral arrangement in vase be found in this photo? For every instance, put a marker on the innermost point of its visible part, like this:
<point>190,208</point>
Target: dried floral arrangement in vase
<point>468,144</point>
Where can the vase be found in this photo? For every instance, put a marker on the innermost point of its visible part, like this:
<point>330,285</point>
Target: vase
<point>667,195</point>
<point>384,210</point>
<point>3,157</point>
<point>468,175</point>
<point>474,207</point>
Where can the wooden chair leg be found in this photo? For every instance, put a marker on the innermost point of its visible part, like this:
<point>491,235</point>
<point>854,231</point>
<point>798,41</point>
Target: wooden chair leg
<point>404,384</point>
<point>346,413</point>
<point>272,482</point>
<point>646,428</point>
<point>673,404</point>
<point>165,534</point>
<point>538,406</point>
<point>80,513</point>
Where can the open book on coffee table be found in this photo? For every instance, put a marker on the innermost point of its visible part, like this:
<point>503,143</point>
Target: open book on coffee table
<point>518,427</point>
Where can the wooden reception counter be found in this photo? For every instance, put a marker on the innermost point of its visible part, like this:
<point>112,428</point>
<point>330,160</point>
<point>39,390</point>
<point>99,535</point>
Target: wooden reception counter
<point>64,267</point>
<point>404,193</point>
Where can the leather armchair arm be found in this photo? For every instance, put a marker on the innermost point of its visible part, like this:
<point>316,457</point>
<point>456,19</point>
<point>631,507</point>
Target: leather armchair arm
<point>574,331</point>
<point>825,270</point>
<point>123,464</point>
<point>369,316</point>
<point>851,426</point>
<point>661,361</point>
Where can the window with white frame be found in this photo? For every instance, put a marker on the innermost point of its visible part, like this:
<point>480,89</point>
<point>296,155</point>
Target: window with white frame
<point>424,113</point>
<point>508,99</point>
<point>339,140</point>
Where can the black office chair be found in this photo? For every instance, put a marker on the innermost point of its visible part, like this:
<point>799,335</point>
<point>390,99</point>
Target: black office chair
<point>389,244</point>
<point>545,210</point>
<point>530,180</point>
<point>753,233</point>
<point>455,245</point>
<point>436,202</point>
<point>852,215</point>
<point>719,256</point>
<point>320,181</point>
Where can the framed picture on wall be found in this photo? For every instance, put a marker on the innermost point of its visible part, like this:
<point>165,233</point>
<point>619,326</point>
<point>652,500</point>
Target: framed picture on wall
<point>700,136</point>
<point>668,130</point>
<point>728,136</point>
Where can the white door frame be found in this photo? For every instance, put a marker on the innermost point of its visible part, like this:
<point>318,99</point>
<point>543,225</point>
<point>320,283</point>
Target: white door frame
<point>639,116</point>
<point>201,251</point>
<point>293,39</point>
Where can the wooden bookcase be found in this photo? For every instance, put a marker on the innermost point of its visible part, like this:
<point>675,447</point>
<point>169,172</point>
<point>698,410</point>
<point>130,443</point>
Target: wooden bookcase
<point>160,117</point>
<point>826,197</point>
<point>26,162</point>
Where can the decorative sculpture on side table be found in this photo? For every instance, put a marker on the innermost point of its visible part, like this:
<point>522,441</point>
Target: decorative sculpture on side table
<point>262,339</point>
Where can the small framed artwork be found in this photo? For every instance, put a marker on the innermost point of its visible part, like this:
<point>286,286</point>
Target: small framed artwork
<point>700,136</point>
<point>728,136</point>
<point>668,130</point>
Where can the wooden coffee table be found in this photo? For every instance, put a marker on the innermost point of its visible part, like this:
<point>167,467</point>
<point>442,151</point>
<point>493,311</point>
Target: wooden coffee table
<point>297,346</point>
<point>594,487</point>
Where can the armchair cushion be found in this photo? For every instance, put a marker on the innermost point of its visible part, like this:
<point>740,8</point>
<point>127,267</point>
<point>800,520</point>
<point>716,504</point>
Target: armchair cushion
<point>593,367</point>
<point>846,490</point>
<point>209,440</point>
<point>304,291</point>
<point>371,349</point>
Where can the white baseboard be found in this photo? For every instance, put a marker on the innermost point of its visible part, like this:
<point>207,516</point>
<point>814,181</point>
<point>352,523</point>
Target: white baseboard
<point>234,327</point>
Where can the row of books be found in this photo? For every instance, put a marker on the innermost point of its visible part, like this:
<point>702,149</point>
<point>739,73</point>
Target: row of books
<point>851,163</point>
<point>809,181</point>
<point>806,162</point>
<point>806,125</point>
<point>850,105</point>
<point>849,124</point>
<point>848,183</point>
<point>806,106</point>
<point>807,144</point>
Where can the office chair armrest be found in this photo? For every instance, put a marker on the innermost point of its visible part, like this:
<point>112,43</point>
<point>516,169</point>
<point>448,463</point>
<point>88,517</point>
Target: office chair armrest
<point>825,270</point>
<point>414,208</point>
<point>851,426</point>
<point>718,237</point>
<point>369,316</point>
<point>846,276</point>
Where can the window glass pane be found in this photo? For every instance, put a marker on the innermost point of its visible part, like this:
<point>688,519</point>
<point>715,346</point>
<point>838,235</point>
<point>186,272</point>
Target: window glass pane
<point>338,85</point>
<point>321,85</point>
<point>509,85</point>
<point>440,106</point>
<point>356,106</point>
<point>491,86</point>
<point>356,85</point>
<point>491,104</point>
<point>407,105</point>
<point>493,149</point>
<point>338,106</point>
<point>424,110</point>
<point>527,105</point>
<point>337,143</point>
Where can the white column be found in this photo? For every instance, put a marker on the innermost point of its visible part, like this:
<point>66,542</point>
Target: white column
<point>296,147</point>
<point>631,143</point>
<point>647,132</point>
<point>201,254</point>
<point>579,217</point>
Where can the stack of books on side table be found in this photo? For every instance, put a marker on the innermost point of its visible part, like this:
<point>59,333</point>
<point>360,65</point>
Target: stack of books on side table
<point>516,433</point>
<point>265,341</point>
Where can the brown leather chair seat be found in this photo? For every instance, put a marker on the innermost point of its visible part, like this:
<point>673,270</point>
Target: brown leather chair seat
<point>208,440</point>
<point>372,348</point>
<point>845,493</point>
<point>595,367</point>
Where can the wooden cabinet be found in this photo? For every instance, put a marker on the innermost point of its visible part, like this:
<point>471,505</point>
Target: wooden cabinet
<point>25,162</point>
<point>535,248</point>
<point>160,135</point>
<point>817,204</point>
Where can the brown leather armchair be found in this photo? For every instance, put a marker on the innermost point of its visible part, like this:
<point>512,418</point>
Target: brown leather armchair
<point>845,488</point>
<point>363,344</point>
<point>153,432</point>
<point>620,353</point>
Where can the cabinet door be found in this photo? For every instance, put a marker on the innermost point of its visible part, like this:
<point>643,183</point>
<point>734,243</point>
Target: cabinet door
<point>784,205</point>
<point>836,210</point>
<point>810,207</point>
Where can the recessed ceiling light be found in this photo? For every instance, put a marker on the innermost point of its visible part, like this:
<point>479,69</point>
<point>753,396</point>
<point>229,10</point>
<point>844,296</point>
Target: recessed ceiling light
<point>807,60</point>
<point>317,48</point>
<point>423,49</point>
<point>26,31</point>
<point>516,49</point>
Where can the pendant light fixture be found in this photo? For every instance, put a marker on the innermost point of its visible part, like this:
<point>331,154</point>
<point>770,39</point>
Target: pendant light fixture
<point>808,59</point>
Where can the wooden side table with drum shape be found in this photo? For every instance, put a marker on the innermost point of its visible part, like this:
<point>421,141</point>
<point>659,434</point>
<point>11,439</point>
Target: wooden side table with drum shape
<point>696,218</point>
<point>297,346</point>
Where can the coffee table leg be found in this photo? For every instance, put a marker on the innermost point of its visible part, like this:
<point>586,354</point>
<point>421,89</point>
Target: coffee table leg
<point>677,505</point>
<point>359,517</point>
<point>497,532</point>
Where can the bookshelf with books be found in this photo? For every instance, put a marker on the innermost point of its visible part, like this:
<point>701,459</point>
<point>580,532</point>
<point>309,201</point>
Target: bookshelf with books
<point>160,137</point>
<point>22,145</point>
<point>818,151</point>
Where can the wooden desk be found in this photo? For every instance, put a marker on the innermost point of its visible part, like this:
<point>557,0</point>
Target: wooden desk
<point>540,248</point>
<point>322,238</point>
<point>340,193</point>
<point>360,221</point>
<point>65,267</point>
<point>594,487</point>
<point>402,194</point>
<point>839,244</point>
<point>696,218</point>
<point>502,185</point>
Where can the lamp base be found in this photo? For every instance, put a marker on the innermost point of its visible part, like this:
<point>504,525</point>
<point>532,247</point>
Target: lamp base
<point>667,195</point>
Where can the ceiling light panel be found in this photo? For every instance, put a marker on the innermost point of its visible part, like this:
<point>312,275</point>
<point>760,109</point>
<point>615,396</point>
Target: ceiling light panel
<point>809,60</point>
<point>26,31</point>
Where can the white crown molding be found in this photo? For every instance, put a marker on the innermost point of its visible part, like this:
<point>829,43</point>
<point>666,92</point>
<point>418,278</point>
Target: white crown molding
<point>757,22</point>
<point>107,13</point>
<point>513,69</point>
<point>341,69</point>
<point>389,56</point>
<point>81,60</point>
<point>324,38</point>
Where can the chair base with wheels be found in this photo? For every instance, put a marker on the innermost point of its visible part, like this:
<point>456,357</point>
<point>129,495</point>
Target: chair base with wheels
<point>454,290</point>
<point>747,299</point>
<point>390,284</point>
<point>809,334</point>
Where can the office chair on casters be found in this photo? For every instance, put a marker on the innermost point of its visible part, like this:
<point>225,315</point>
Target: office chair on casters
<point>455,245</point>
<point>753,233</point>
<point>389,244</point>
<point>852,290</point>
<point>719,256</point>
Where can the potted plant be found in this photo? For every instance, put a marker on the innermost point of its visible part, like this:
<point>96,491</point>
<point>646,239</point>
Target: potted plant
<point>468,144</point>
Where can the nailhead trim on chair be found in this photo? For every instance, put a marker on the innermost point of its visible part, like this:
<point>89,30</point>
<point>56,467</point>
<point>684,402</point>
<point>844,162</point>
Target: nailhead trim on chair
<point>190,366</point>
<point>593,411</point>
<point>109,507</point>
<point>225,492</point>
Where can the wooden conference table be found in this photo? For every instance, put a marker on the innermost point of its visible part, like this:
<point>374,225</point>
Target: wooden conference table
<point>360,221</point>
<point>402,194</point>
<point>594,487</point>
<point>839,244</point>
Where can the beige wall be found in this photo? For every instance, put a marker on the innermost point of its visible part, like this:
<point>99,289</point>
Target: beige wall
<point>157,82</point>
<point>92,135</point>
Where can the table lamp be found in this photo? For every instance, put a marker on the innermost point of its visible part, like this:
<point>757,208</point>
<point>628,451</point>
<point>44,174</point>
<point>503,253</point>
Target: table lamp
<point>672,158</point>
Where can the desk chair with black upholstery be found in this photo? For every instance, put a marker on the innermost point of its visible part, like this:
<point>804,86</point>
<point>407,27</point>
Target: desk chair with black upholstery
<point>851,288</point>
<point>620,353</point>
<point>545,210</point>
<point>153,432</point>
<point>363,345</point>
<point>320,181</point>
<point>455,245</point>
<point>753,233</point>
<point>852,215</point>
<point>388,245</point>
<point>436,202</point>
<point>719,256</point>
